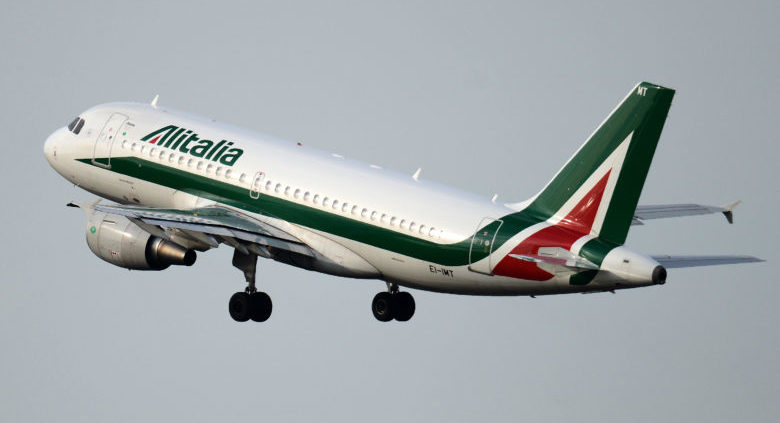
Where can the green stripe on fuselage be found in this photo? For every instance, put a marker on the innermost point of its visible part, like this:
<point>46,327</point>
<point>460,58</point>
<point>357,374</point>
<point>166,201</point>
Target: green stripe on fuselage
<point>456,254</point>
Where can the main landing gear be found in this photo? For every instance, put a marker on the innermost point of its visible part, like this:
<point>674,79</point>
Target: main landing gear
<point>255,305</point>
<point>393,305</point>
<point>250,304</point>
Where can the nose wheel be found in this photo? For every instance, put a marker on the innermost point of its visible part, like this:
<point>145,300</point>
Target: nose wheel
<point>251,304</point>
<point>393,305</point>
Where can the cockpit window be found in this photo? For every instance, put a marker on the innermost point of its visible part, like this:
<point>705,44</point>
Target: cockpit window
<point>76,125</point>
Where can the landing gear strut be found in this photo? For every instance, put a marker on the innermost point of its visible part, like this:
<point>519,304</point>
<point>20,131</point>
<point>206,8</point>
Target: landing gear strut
<point>393,305</point>
<point>250,304</point>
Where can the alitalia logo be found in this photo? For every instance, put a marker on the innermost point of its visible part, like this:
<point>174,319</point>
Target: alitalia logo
<point>186,141</point>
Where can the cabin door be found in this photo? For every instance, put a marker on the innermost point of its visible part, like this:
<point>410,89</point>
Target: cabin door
<point>101,154</point>
<point>257,183</point>
<point>480,259</point>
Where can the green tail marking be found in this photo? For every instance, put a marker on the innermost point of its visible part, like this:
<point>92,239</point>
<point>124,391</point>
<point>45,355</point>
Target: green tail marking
<point>643,113</point>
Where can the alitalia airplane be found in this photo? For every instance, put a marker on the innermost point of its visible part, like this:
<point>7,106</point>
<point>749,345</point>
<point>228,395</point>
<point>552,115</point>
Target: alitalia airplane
<point>181,183</point>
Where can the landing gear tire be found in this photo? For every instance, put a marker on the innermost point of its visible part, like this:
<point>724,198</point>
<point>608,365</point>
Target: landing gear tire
<point>244,306</point>
<point>260,306</point>
<point>240,306</point>
<point>393,305</point>
<point>403,306</point>
<point>382,306</point>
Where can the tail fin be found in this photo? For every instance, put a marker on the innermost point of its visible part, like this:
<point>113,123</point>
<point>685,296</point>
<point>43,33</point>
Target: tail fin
<point>599,187</point>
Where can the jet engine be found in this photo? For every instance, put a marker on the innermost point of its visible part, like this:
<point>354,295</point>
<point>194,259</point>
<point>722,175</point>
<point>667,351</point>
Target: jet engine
<point>121,242</point>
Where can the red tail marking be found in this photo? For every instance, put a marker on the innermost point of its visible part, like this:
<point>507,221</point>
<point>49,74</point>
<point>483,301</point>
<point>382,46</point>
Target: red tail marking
<point>154,141</point>
<point>581,217</point>
<point>575,225</point>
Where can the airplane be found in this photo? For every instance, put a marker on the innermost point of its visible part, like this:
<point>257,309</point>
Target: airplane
<point>179,183</point>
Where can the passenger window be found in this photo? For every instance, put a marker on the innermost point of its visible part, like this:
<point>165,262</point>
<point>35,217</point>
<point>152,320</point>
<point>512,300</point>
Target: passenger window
<point>316,199</point>
<point>335,204</point>
<point>268,186</point>
<point>287,191</point>
<point>393,220</point>
<point>241,178</point>
<point>364,213</point>
<point>412,226</point>
<point>306,196</point>
<point>326,201</point>
<point>278,188</point>
<point>219,171</point>
<point>297,194</point>
<point>373,215</point>
<point>344,207</point>
<point>354,210</point>
<point>422,229</point>
<point>228,174</point>
<point>402,224</point>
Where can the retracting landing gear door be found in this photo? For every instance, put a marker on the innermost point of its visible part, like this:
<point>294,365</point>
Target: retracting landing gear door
<point>101,155</point>
<point>480,259</point>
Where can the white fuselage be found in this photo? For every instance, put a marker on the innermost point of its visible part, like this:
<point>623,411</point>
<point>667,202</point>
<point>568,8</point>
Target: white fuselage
<point>314,180</point>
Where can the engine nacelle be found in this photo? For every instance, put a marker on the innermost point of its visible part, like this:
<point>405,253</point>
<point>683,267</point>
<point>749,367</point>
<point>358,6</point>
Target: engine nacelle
<point>119,241</point>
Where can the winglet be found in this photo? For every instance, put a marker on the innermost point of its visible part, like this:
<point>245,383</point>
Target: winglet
<point>728,211</point>
<point>154,101</point>
<point>416,175</point>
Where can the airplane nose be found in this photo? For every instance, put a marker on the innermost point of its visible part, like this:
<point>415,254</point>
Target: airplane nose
<point>50,147</point>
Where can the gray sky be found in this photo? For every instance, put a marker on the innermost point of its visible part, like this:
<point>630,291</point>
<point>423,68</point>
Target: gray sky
<point>490,97</point>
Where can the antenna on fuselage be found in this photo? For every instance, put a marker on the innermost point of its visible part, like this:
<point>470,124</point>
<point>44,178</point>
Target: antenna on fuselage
<point>154,101</point>
<point>416,175</point>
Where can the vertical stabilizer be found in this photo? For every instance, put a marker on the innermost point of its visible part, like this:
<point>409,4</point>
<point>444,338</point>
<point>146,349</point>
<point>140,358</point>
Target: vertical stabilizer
<point>602,182</point>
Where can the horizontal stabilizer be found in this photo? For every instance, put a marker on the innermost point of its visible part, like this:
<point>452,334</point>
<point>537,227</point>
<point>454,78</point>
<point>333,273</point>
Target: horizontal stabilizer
<point>662,211</point>
<point>574,263</point>
<point>671,262</point>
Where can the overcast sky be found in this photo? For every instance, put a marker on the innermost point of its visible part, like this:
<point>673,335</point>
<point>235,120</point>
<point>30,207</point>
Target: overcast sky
<point>489,97</point>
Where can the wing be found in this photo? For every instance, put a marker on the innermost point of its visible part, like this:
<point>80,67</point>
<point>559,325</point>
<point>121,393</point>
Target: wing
<point>662,211</point>
<point>210,226</point>
<point>671,262</point>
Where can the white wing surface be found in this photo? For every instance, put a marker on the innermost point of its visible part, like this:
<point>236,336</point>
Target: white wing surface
<point>211,225</point>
